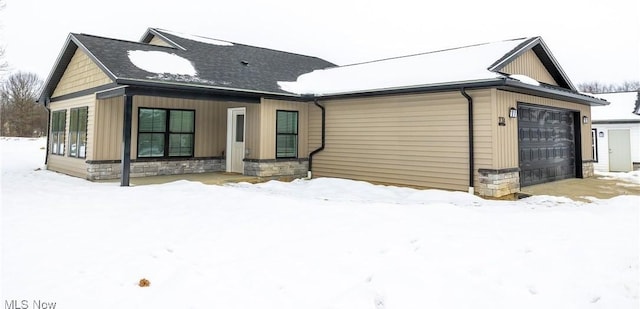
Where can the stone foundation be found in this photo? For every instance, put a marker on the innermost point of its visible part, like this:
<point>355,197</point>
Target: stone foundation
<point>587,169</point>
<point>498,182</point>
<point>294,168</point>
<point>100,170</point>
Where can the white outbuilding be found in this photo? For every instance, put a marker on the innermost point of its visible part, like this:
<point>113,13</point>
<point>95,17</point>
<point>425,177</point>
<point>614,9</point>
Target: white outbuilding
<point>616,132</point>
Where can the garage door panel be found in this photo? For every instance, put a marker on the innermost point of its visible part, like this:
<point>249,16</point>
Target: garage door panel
<point>546,140</point>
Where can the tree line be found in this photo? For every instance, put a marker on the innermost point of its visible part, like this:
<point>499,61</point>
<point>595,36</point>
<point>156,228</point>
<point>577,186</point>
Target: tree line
<point>20,115</point>
<point>600,87</point>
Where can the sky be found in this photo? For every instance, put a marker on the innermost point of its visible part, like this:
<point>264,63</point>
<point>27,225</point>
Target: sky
<point>592,40</point>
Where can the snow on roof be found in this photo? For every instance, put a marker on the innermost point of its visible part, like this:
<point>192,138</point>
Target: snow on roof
<point>200,39</point>
<point>621,107</point>
<point>161,62</point>
<point>438,67</point>
<point>525,79</point>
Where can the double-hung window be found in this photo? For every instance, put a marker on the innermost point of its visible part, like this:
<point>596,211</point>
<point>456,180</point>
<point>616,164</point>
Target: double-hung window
<point>58,127</point>
<point>286,134</point>
<point>165,133</point>
<point>78,132</point>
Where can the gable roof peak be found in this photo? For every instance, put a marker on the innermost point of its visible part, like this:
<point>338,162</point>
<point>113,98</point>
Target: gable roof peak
<point>542,51</point>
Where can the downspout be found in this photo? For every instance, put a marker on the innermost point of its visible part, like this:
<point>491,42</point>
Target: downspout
<point>46,155</point>
<point>471,159</point>
<point>315,101</point>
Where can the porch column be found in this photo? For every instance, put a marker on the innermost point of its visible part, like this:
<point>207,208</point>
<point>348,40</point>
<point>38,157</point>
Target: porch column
<point>126,141</point>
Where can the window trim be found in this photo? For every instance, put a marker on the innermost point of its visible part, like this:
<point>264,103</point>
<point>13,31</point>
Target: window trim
<point>77,132</point>
<point>56,135</point>
<point>296,134</point>
<point>167,133</point>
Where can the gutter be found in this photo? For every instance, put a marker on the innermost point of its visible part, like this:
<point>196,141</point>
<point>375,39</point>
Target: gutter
<point>200,87</point>
<point>471,159</point>
<point>321,148</point>
<point>516,86</point>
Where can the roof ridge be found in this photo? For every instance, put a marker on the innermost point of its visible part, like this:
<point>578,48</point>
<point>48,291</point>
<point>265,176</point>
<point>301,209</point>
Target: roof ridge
<point>119,40</point>
<point>428,52</point>
<point>169,32</point>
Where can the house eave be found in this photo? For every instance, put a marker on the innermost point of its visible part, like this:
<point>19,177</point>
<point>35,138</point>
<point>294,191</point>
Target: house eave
<point>565,95</point>
<point>213,89</point>
<point>454,86</point>
<point>499,83</point>
<point>616,121</point>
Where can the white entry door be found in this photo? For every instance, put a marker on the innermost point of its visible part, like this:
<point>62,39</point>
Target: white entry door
<point>620,151</point>
<point>235,140</point>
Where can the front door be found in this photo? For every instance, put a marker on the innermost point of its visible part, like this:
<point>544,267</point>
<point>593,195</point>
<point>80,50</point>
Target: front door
<point>235,140</point>
<point>619,151</point>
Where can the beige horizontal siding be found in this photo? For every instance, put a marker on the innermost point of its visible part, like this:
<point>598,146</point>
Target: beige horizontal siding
<point>416,140</point>
<point>69,165</point>
<point>483,131</point>
<point>314,121</point>
<point>529,64</point>
<point>268,126</point>
<point>506,139</point>
<point>81,73</point>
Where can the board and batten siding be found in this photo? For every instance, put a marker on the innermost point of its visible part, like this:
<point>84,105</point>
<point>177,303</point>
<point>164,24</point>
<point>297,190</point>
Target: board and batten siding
<point>418,140</point>
<point>529,64</point>
<point>109,119</point>
<point>268,127</point>
<point>506,138</point>
<point>63,163</point>
<point>210,120</point>
<point>81,73</point>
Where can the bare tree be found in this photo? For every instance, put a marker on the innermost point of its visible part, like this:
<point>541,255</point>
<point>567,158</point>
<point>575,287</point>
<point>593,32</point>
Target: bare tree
<point>20,115</point>
<point>599,87</point>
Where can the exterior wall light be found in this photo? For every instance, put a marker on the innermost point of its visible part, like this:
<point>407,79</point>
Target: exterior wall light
<point>601,134</point>
<point>513,113</point>
<point>585,119</point>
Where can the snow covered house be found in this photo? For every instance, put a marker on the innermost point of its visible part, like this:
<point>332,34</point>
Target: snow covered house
<point>616,132</point>
<point>488,118</point>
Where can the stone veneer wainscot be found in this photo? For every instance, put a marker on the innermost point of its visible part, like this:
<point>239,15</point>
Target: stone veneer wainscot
<point>498,182</point>
<point>100,170</point>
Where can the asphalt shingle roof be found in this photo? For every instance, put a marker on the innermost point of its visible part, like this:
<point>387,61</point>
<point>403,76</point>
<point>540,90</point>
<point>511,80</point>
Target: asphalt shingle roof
<point>234,66</point>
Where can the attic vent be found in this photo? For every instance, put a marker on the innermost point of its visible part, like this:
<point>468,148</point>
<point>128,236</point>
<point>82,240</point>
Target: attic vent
<point>244,62</point>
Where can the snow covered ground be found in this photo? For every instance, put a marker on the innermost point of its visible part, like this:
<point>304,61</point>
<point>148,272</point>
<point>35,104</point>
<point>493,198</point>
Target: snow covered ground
<point>324,243</point>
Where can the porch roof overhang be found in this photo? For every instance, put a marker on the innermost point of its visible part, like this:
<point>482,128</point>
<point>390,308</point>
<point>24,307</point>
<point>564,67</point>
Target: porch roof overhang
<point>186,91</point>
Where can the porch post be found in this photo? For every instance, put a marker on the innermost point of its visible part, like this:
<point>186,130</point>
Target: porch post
<point>126,141</point>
